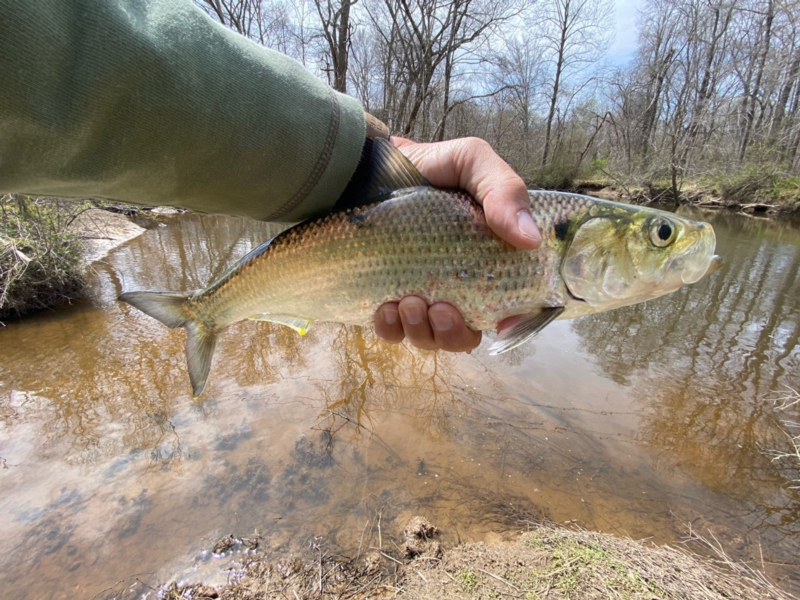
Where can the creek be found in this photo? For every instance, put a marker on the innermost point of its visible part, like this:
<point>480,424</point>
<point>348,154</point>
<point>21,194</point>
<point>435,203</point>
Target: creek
<point>646,422</point>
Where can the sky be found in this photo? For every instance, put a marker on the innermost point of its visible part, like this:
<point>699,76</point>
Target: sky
<point>624,46</point>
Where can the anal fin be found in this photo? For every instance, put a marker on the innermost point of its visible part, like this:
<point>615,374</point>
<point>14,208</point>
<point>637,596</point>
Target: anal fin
<point>301,326</point>
<point>525,329</point>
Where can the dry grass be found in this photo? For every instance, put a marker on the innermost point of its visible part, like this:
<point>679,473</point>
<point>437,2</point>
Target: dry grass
<point>548,562</point>
<point>40,259</point>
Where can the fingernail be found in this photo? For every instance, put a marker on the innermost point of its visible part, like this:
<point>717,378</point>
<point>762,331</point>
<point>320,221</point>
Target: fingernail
<point>414,314</point>
<point>441,320</point>
<point>527,227</point>
<point>389,314</point>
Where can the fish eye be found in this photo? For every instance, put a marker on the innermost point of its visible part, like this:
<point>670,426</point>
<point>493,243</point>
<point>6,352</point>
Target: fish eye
<point>662,232</point>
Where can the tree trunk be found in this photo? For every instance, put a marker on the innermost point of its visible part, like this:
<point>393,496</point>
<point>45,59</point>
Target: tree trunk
<point>783,99</point>
<point>342,49</point>
<point>556,83</point>
<point>336,29</point>
<point>751,109</point>
<point>676,193</point>
<point>651,113</point>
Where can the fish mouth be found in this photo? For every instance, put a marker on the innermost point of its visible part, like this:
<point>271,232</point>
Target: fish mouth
<point>695,267</point>
<point>694,274</point>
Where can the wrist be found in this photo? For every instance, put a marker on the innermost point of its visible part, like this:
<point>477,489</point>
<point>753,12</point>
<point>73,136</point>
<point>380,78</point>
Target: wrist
<point>376,128</point>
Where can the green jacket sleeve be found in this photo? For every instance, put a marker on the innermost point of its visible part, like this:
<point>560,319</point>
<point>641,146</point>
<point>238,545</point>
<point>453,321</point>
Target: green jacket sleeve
<point>152,102</point>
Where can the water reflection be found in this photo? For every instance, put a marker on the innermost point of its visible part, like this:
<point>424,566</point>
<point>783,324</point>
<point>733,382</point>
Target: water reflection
<point>113,469</point>
<point>703,365</point>
<point>370,376</point>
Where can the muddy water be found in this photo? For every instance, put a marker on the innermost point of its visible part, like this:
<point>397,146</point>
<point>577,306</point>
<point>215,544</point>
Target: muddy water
<point>643,422</point>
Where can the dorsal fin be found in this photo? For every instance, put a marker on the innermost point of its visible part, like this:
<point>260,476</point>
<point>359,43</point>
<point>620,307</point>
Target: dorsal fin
<point>382,170</point>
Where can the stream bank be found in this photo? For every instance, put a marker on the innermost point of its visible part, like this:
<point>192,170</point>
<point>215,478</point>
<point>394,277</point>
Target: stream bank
<point>743,199</point>
<point>547,561</point>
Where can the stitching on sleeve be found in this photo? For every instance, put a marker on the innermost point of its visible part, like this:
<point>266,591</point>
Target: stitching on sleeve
<point>319,167</point>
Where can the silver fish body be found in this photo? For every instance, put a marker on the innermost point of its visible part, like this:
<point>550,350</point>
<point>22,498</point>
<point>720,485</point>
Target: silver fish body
<point>595,256</point>
<point>425,242</point>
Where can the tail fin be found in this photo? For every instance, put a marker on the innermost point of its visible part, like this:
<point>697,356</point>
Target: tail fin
<point>171,308</point>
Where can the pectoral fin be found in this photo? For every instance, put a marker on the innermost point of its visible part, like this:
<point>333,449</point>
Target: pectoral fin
<point>301,326</point>
<point>524,330</point>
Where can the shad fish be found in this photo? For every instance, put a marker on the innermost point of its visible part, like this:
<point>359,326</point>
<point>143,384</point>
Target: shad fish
<point>398,236</point>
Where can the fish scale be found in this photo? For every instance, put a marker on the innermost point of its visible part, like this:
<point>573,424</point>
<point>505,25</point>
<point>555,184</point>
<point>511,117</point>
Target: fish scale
<point>423,242</point>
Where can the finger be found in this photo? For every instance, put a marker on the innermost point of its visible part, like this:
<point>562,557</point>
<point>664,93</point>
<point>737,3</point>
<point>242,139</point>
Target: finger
<point>472,165</point>
<point>502,193</point>
<point>507,323</point>
<point>414,316</point>
<point>387,323</point>
<point>449,329</point>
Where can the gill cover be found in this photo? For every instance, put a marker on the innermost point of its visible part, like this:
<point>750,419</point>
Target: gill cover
<point>597,266</point>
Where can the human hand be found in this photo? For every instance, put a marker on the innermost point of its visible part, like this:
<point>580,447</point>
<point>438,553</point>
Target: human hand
<point>472,165</point>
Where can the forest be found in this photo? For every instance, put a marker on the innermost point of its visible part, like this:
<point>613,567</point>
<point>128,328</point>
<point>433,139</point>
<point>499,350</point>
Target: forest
<point>711,95</point>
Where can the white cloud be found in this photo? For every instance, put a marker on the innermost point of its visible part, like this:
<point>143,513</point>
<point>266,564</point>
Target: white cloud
<point>627,32</point>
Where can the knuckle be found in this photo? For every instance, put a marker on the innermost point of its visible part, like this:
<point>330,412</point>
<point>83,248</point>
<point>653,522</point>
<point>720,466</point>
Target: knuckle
<point>392,333</point>
<point>477,142</point>
<point>390,336</point>
<point>424,344</point>
<point>419,336</point>
<point>478,150</point>
<point>462,341</point>
<point>395,337</point>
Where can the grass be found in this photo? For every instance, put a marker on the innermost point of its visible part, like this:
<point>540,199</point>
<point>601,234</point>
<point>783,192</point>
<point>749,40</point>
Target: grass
<point>572,562</point>
<point>40,258</point>
<point>547,563</point>
<point>579,563</point>
<point>555,176</point>
<point>468,580</point>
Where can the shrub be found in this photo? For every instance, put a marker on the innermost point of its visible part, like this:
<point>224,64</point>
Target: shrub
<point>787,190</point>
<point>761,183</point>
<point>558,175</point>
<point>40,259</point>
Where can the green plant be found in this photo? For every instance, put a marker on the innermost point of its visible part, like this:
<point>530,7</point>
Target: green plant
<point>558,175</point>
<point>599,164</point>
<point>40,258</point>
<point>760,183</point>
<point>468,580</point>
<point>787,190</point>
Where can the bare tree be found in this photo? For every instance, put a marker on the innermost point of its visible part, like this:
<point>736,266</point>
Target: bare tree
<point>714,83</point>
<point>426,40</point>
<point>240,15</point>
<point>759,55</point>
<point>575,33</point>
<point>336,27</point>
<point>520,73</point>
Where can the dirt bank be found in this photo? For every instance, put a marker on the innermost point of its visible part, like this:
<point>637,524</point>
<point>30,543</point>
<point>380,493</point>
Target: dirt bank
<point>45,244</point>
<point>546,562</point>
<point>702,196</point>
<point>101,231</point>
